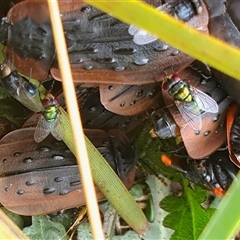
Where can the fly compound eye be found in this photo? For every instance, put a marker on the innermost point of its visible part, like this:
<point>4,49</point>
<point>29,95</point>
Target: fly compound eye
<point>176,78</point>
<point>165,86</point>
<point>5,70</point>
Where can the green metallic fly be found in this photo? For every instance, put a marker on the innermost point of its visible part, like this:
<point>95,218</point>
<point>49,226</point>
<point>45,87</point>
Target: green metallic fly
<point>50,121</point>
<point>189,101</point>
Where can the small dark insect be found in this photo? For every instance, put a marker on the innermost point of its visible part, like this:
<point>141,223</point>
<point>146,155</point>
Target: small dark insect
<point>20,88</point>
<point>215,172</point>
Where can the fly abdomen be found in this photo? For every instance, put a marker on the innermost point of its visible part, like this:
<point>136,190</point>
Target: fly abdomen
<point>50,113</point>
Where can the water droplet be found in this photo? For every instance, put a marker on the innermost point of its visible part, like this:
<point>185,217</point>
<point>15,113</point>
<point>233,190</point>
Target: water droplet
<point>142,61</point>
<point>206,133</point>
<point>89,67</point>
<point>58,157</point>
<point>119,68</point>
<point>92,109</point>
<point>108,60</point>
<point>20,192</point>
<point>58,179</point>
<point>64,192</point>
<point>75,183</point>
<point>48,190</point>
<point>175,52</point>
<point>204,80</point>
<point>139,93</point>
<point>44,149</point>
<point>197,132</point>
<point>161,47</point>
<point>28,160</point>
<point>86,9</point>
<point>132,102</point>
<point>151,93</point>
<point>89,122</point>
<point>215,118</point>
<point>16,154</point>
<point>4,160</point>
<point>122,104</point>
<point>88,50</point>
<point>124,51</point>
<point>30,182</point>
<point>79,60</point>
<point>111,87</point>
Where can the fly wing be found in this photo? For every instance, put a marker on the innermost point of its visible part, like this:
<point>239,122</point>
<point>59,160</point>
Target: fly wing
<point>42,130</point>
<point>141,37</point>
<point>58,129</point>
<point>205,102</point>
<point>191,114</point>
<point>132,30</point>
<point>20,90</point>
<point>32,103</point>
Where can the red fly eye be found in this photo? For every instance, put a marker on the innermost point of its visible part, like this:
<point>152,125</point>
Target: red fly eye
<point>49,101</point>
<point>176,78</point>
<point>165,86</point>
<point>45,102</point>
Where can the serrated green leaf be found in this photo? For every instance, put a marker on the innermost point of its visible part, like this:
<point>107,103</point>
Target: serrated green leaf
<point>44,229</point>
<point>64,218</point>
<point>84,232</point>
<point>186,216</point>
<point>17,219</point>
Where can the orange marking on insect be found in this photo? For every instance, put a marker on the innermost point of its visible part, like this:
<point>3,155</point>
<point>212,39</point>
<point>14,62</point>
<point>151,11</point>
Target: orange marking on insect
<point>166,160</point>
<point>219,192</point>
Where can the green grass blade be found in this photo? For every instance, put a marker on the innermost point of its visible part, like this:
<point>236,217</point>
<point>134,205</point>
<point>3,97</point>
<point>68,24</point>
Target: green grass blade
<point>205,48</point>
<point>226,220</point>
<point>108,182</point>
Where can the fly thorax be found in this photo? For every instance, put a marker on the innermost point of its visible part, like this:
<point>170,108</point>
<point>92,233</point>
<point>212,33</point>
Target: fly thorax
<point>183,94</point>
<point>180,91</point>
<point>50,113</point>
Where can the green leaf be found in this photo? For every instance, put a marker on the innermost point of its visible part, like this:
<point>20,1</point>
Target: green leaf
<point>186,216</point>
<point>17,219</point>
<point>225,222</point>
<point>84,232</point>
<point>64,218</point>
<point>44,229</point>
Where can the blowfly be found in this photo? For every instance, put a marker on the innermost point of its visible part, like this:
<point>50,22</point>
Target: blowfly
<point>20,88</point>
<point>189,101</point>
<point>50,121</point>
